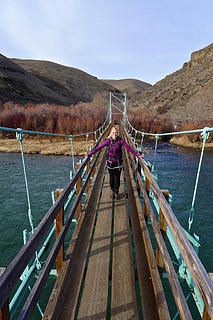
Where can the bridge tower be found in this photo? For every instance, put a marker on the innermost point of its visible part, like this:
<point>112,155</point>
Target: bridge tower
<point>117,101</point>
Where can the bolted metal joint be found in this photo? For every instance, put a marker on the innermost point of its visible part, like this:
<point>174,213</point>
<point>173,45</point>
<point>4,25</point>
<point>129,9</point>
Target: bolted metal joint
<point>19,134</point>
<point>205,133</point>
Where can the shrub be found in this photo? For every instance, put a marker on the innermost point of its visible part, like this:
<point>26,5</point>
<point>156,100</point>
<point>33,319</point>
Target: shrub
<point>52,118</point>
<point>150,122</point>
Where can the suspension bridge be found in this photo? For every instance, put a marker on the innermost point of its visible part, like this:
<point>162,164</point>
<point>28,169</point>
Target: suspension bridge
<point>126,259</point>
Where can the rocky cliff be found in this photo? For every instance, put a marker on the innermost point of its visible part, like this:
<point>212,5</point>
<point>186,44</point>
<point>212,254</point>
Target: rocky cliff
<point>185,95</point>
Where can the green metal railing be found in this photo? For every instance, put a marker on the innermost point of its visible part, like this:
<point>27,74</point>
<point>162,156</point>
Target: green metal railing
<point>21,267</point>
<point>183,270</point>
<point>35,266</point>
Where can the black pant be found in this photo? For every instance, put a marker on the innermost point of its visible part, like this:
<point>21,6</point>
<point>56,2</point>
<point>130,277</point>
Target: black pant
<point>114,179</point>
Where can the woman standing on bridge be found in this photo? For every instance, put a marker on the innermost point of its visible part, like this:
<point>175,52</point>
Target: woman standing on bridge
<point>114,158</point>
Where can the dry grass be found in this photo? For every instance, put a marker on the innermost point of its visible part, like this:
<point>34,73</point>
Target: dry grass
<point>45,147</point>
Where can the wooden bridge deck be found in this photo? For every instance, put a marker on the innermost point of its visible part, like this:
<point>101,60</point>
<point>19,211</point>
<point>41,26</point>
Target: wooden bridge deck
<point>99,278</point>
<point>112,270</point>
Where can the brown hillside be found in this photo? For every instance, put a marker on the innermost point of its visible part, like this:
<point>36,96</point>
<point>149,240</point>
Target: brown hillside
<point>132,87</point>
<point>185,95</point>
<point>74,84</point>
<point>24,81</point>
<point>21,86</point>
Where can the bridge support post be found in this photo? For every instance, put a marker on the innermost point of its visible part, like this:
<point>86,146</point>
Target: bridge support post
<point>87,171</point>
<point>205,315</point>
<point>110,107</point>
<point>59,225</point>
<point>138,185</point>
<point>162,225</point>
<point>78,188</point>
<point>147,188</point>
<point>4,312</point>
<point>134,167</point>
<point>93,172</point>
<point>124,112</point>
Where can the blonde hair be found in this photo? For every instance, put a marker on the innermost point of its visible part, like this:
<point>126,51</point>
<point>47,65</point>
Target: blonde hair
<point>110,134</point>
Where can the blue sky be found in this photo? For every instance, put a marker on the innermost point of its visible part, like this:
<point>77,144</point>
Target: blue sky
<point>110,39</point>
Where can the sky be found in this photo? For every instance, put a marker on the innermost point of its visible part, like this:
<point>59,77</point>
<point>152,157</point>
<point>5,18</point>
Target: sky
<point>109,39</point>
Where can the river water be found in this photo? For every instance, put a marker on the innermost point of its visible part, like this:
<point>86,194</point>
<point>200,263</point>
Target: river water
<point>175,166</point>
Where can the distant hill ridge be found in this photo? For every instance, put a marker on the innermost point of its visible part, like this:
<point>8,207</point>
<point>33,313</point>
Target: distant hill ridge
<point>130,86</point>
<point>185,95</point>
<point>35,81</point>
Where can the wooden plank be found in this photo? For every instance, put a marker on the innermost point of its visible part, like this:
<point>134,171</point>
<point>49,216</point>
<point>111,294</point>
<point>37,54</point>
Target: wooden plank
<point>149,308</point>
<point>205,313</point>
<point>123,299</point>
<point>159,297</point>
<point>174,283</point>
<point>63,301</point>
<point>93,304</point>
<point>172,276</point>
<point>4,311</point>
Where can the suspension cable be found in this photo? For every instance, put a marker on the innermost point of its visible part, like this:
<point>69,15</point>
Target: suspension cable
<point>72,150</point>
<point>204,136</point>
<point>20,137</point>
<point>155,152</point>
<point>142,137</point>
<point>87,147</point>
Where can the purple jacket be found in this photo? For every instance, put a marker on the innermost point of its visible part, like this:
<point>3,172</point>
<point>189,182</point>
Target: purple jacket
<point>115,152</point>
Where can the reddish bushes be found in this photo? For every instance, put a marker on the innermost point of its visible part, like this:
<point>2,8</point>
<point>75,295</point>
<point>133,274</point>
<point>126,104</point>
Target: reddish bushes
<point>147,121</point>
<point>85,118</point>
<point>52,118</point>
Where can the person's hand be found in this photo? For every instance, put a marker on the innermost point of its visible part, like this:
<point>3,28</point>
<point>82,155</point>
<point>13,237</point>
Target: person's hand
<point>141,156</point>
<point>86,154</point>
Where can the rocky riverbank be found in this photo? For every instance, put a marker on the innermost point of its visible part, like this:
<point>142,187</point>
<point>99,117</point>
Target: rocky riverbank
<point>57,147</point>
<point>45,147</point>
<point>184,142</point>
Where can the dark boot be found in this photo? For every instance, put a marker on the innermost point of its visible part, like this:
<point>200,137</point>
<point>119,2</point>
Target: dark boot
<point>117,195</point>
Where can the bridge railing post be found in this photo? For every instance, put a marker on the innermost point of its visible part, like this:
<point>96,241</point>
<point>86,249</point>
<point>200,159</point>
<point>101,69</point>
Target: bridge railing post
<point>59,225</point>
<point>5,311</point>
<point>87,171</point>
<point>78,188</point>
<point>93,172</point>
<point>205,315</point>
<point>134,167</point>
<point>139,170</point>
<point>162,225</point>
<point>147,188</point>
<point>97,163</point>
